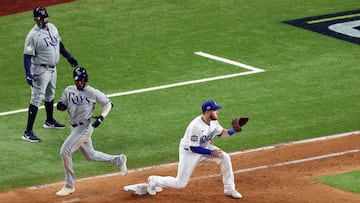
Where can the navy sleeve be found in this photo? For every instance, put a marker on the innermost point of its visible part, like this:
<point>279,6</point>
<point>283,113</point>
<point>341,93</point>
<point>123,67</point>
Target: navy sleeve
<point>63,51</point>
<point>27,64</point>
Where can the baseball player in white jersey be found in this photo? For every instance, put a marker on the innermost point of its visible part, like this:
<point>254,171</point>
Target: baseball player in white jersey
<point>42,51</point>
<point>196,147</point>
<point>79,100</point>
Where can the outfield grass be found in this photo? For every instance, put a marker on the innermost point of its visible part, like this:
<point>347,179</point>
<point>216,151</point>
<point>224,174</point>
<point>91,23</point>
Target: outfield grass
<point>307,90</point>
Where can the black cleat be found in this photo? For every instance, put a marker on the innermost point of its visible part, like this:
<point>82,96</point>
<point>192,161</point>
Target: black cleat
<point>54,124</point>
<point>30,136</point>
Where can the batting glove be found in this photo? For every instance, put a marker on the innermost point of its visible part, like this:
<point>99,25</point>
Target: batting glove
<point>72,61</point>
<point>98,121</point>
<point>29,79</point>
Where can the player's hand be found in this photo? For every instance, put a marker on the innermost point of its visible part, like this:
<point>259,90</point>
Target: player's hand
<point>217,153</point>
<point>72,61</point>
<point>98,121</point>
<point>61,106</point>
<point>29,79</point>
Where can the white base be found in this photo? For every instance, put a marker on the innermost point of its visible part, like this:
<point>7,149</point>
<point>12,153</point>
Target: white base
<point>139,189</point>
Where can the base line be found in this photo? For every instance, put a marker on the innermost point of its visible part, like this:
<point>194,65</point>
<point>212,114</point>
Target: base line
<point>353,133</point>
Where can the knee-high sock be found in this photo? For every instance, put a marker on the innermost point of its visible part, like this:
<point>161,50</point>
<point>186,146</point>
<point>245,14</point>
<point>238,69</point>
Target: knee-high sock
<point>31,117</point>
<point>49,107</point>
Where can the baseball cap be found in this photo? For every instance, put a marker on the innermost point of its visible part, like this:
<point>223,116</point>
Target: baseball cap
<point>210,105</point>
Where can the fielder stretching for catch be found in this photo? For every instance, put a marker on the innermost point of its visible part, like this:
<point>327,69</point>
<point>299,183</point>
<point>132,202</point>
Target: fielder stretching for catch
<point>196,147</point>
<point>42,51</point>
<point>79,100</point>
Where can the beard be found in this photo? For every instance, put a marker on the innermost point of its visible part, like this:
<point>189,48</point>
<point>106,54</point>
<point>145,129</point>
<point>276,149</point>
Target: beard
<point>213,118</point>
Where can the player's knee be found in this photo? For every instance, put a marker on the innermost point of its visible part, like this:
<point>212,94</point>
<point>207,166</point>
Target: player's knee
<point>181,184</point>
<point>225,158</point>
<point>36,102</point>
<point>88,157</point>
<point>65,152</point>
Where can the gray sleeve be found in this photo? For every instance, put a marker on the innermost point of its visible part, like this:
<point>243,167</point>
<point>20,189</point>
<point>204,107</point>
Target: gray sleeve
<point>30,45</point>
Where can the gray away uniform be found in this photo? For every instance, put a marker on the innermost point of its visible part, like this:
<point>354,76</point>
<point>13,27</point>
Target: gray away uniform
<point>81,104</point>
<point>43,45</point>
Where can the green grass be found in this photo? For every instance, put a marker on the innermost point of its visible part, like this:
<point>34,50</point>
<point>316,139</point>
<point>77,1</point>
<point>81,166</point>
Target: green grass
<point>346,181</point>
<point>307,91</point>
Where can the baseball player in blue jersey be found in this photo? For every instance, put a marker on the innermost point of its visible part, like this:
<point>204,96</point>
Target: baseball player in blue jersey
<point>196,147</point>
<point>79,100</point>
<point>42,51</point>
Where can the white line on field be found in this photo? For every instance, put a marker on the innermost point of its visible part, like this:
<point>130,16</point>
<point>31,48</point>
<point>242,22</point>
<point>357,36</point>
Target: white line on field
<point>252,70</point>
<point>354,133</point>
<point>284,163</point>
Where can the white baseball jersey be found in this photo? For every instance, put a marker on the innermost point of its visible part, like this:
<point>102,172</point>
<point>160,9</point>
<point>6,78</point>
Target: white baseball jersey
<point>81,103</point>
<point>198,133</point>
<point>43,45</point>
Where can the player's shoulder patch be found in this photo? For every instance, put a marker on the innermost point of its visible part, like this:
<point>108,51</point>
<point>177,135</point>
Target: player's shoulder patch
<point>194,138</point>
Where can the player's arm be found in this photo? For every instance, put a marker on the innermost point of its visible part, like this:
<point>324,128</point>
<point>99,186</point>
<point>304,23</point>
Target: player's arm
<point>73,62</point>
<point>201,150</point>
<point>27,66</point>
<point>226,133</point>
<point>62,105</point>
<point>105,111</point>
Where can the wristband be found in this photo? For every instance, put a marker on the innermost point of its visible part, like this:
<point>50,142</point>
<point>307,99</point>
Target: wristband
<point>230,131</point>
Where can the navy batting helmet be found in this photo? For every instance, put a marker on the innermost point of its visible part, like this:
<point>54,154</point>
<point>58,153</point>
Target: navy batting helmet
<point>80,73</point>
<point>40,13</point>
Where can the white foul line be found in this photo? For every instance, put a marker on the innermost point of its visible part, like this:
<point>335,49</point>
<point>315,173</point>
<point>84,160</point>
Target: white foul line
<point>284,163</point>
<point>252,69</point>
<point>235,63</point>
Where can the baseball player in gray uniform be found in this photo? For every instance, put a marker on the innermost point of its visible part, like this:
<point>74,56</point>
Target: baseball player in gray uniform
<point>79,100</point>
<point>42,51</point>
<point>196,147</point>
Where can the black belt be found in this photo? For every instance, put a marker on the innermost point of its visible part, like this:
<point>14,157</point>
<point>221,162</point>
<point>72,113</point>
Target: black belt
<point>47,66</point>
<point>186,149</point>
<point>77,124</point>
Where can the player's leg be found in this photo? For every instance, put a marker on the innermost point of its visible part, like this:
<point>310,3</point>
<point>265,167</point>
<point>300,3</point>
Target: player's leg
<point>51,77</point>
<point>187,163</point>
<point>87,149</point>
<point>28,133</point>
<point>226,172</point>
<point>37,94</point>
<point>78,136</point>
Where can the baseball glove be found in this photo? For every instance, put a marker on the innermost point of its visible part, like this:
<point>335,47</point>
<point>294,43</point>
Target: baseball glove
<point>239,122</point>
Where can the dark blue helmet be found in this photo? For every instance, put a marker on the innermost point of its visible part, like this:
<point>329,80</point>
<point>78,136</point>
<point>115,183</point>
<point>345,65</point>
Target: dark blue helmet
<point>80,73</point>
<point>40,13</point>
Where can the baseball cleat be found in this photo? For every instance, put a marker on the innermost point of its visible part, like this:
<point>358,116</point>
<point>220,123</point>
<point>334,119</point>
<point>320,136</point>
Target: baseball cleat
<point>54,124</point>
<point>30,136</point>
<point>65,191</point>
<point>151,187</point>
<point>123,167</point>
<point>234,194</point>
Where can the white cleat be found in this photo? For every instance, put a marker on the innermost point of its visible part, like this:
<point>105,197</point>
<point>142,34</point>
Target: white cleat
<point>65,191</point>
<point>234,194</point>
<point>151,187</point>
<point>123,167</point>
